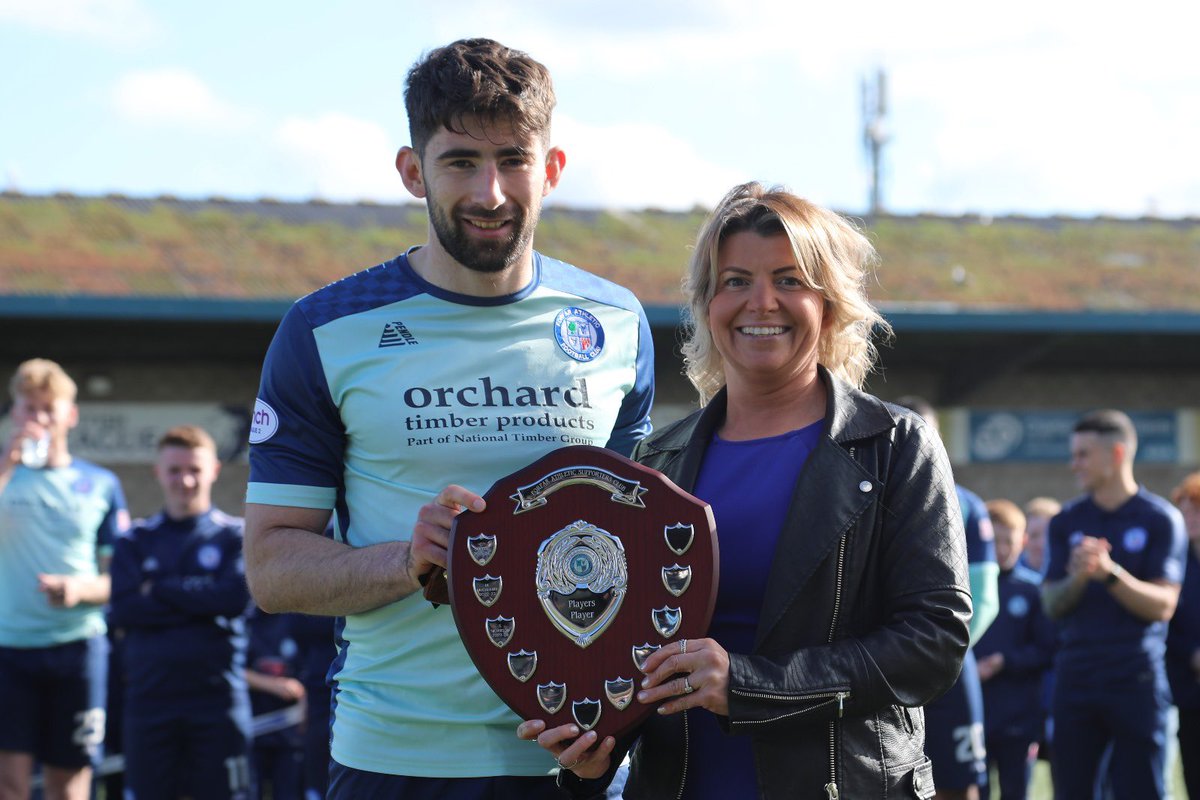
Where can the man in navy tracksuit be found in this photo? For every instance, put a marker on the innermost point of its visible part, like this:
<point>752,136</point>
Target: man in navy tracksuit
<point>1012,657</point>
<point>1117,558</point>
<point>179,597</point>
<point>273,665</point>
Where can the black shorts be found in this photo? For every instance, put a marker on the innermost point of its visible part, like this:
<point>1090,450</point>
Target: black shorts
<point>954,732</point>
<point>52,701</point>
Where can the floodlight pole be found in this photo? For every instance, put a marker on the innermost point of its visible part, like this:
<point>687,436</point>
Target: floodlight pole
<point>875,134</point>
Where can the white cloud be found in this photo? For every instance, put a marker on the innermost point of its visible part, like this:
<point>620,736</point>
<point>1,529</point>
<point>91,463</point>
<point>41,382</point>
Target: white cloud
<point>635,165</point>
<point>340,157</point>
<point>174,97</point>
<point>115,21</point>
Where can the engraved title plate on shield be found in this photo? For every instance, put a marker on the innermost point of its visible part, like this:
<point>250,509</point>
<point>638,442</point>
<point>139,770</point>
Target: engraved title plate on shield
<point>583,565</point>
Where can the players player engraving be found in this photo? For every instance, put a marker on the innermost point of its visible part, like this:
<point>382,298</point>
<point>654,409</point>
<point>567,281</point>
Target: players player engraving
<point>580,547</point>
<point>581,577</point>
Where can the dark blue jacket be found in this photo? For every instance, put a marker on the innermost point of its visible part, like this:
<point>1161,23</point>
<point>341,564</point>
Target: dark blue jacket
<point>273,650</point>
<point>179,597</point>
<point>1012,699</point>
<point>1183,639</point>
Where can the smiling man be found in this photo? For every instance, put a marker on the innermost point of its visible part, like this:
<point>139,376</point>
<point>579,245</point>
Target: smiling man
<point>179,601</point>
<point>453,364</point>
<point>1117,556</point>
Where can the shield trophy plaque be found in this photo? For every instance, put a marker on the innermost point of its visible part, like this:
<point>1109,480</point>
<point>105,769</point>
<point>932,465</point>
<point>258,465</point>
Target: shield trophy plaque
<point>583,564</point>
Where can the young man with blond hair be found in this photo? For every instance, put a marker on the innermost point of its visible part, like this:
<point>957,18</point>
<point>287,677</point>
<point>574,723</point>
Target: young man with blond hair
<point>179,598</point>
<point>59,516</point>
<point>1012,657</point>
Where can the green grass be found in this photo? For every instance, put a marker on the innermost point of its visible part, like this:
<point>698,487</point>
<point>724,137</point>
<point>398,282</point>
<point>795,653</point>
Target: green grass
<point>1042,789</point>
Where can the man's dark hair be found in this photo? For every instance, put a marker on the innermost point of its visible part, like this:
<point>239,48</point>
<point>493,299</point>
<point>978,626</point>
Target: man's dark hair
<point>1113,425</point>
<point>478,78</point>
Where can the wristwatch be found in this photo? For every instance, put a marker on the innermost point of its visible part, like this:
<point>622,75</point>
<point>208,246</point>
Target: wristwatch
<point>1114,574</point>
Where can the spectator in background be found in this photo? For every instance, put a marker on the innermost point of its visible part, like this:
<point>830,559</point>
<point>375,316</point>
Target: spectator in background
<point>179,595</point>
<point>1012,657</point>
<point>58,518</point>
<point>1183,638</point>
<point>1117,558</point>
<point>273,663</point>
<point>954,732</point>
<point>1038,513</point>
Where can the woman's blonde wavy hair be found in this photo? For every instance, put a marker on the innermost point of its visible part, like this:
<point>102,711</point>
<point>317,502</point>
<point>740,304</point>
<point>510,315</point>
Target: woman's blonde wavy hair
<point>834,258</point>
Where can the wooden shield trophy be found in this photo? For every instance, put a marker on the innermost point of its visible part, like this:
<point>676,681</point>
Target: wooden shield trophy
<point>583,564</point>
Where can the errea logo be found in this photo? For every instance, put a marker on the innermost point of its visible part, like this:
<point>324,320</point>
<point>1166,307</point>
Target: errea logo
<point>396,334</point>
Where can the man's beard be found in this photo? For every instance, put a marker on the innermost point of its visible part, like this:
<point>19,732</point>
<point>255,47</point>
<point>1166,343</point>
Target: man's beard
<point>483,256</point>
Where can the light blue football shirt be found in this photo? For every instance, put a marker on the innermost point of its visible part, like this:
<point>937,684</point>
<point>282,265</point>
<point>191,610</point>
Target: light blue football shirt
<point>377,392</point>
<point>57,521</point>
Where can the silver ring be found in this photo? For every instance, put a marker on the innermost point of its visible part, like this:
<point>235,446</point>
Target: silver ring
<point>687,685</point>
<point>682,646</point>
<point>573,765</point>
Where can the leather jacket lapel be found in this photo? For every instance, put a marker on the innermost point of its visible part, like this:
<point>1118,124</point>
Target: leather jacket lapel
<point>829,498</point>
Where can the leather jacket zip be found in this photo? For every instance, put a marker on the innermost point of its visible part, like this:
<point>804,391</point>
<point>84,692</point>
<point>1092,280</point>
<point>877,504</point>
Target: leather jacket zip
<point>831,788</point>
<point>683,774</point>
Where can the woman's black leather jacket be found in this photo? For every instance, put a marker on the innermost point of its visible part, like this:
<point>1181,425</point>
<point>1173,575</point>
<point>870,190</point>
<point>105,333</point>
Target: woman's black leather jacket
<point>864,619</point>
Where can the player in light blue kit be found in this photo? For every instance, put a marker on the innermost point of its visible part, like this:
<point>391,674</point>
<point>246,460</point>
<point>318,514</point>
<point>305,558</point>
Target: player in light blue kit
<point>1117,557</point>
<point>386,393</point>
<point>58,518</point>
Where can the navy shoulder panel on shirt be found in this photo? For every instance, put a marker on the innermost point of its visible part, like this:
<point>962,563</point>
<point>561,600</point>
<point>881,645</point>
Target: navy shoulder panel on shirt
<point>557,274</point>
<point>1154,504</point>
<point>380,285</point>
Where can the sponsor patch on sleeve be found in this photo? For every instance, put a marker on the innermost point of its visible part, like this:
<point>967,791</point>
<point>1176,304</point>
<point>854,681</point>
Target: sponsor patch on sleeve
<point>264,423</point>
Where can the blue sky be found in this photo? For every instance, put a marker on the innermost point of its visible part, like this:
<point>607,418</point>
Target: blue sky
<point>1024,107</point>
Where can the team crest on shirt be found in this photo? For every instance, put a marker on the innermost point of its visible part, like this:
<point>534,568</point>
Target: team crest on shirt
<point>1075,539</point>
<point>209,556</point>
<point>578,334</point>
<point>1018,606</point>
<point>1134,540</point>
<point>83,485</point>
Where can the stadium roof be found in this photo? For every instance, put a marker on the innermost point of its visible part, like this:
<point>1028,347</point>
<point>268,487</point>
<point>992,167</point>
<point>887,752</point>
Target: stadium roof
<point>216,259</point>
